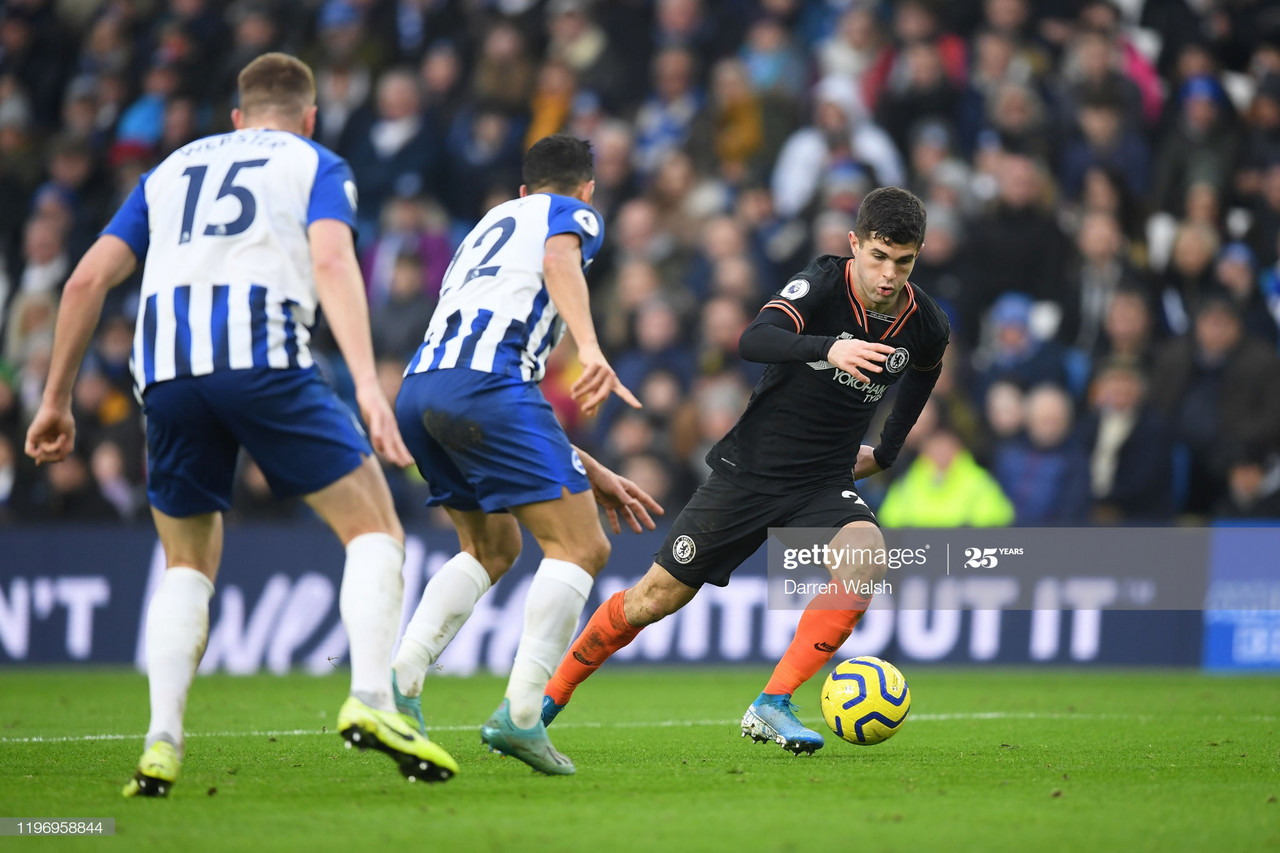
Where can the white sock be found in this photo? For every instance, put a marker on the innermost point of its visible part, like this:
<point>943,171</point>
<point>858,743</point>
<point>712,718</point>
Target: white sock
<point>370,605</point>
<point>177,630</point>
<point>556,598</point>
<point>446,603</point>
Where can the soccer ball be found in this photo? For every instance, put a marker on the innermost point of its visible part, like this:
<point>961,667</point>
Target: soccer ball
<point>865,700</point>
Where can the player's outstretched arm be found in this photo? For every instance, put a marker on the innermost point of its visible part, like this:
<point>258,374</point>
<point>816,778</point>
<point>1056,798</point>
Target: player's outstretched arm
<point>620,496</point>
<point>567,286</point>
<point>108,262</point>
<point>341,290</point>
<point>773,338</point>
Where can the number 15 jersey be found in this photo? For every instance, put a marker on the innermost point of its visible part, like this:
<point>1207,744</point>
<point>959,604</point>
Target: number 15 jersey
<point>222,225</point>
<point>495,315</point>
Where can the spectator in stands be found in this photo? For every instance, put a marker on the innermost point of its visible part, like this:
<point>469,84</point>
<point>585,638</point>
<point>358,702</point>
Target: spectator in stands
<point>68,493</point>
<point>852,47</point>
<point>728,135</point>
<point>1269,287</point>
<point>411,225</point>
<point>143,120</point>
<point>722,322</point>
<point>1253,485</point>
<point>914,22</point>
<point>1091,70</point>
<point>1189,278</point>
<point>551,104</point>
<point>482,152</point>
<point>125,496</point>
<point>46,263</point>
<point>1005,412</point>
<point>923,93</point>
<point>584,47</point>
<point>1235,273</point>
<point>1201,147</point>
<point>504,75</point>
<point>995,63</point>
<point>1012,18</point>
<point>1261,145</point>
<point>1019,354</point>
<point>773,63</point>
<point>1264,232</point>
<point>1100,269</point>
<point>393,152</point>
<point>1045,473</point>
<point>945,487</point>
<point>1106,141</point>
<point>10,497</point>
<point>665,120</point>
<point>1130,449</point>
<point>1017,245</point>
<point>1218,387</point>
<point>1127,330</point>
<point>441,78</point>
<point>943,272</point>
<point>840,134</point>
<point>400,322</point>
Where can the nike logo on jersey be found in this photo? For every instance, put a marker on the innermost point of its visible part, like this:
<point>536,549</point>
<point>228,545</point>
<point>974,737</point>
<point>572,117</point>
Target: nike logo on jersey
<point>848,494</point>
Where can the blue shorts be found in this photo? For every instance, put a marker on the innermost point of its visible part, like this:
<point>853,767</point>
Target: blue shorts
<point>290,421</point>
<point>485,441</point>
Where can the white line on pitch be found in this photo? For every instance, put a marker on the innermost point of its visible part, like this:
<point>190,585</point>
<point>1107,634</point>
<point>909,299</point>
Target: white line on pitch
<point>657,724</point>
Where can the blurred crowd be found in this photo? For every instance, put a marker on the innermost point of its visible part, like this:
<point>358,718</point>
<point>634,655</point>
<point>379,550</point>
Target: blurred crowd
<point>1102,180</point>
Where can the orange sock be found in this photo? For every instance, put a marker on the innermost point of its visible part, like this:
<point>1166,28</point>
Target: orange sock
<point>607,631</point>
<point>820,634</point>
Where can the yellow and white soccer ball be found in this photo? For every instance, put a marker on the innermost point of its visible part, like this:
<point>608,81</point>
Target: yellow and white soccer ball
<point>865,700</point>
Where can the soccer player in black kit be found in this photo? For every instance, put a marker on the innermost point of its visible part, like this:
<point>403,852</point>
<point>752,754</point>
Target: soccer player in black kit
<point>835,337</point>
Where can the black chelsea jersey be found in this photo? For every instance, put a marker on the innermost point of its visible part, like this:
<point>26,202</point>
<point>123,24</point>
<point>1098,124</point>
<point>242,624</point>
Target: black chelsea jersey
<point>807,418</point>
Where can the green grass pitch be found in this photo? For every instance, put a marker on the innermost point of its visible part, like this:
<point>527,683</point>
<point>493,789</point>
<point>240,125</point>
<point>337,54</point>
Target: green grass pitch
<point>988,760</point>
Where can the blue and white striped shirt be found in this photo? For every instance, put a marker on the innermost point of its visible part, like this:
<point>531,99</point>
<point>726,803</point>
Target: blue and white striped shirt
<point>495,314</point>
<point>222,225</point>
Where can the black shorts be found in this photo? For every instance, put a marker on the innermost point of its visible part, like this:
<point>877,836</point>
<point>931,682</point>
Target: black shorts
<point>723,524</point>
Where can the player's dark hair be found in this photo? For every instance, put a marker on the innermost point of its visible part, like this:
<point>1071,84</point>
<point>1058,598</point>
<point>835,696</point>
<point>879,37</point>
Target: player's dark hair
<point>276,81</point>
<point>893,214</point>
<point>558,163</point>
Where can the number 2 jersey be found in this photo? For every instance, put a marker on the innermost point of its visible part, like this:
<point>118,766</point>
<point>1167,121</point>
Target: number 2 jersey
<point>495,314</point>
<point>807,418</point>
<point>222,225</point>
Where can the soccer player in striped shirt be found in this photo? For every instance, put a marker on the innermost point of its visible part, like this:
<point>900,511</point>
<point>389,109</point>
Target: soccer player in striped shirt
<point>244,235</point>
<point>491,449</point>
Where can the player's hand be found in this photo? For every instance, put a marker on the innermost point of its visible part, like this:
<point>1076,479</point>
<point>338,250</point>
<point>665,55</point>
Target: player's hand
<point>858,358</point>
<point>52,435</point>
<point>866,464</point>
<point>597,382</point>
<point>384,432</point>
<point>620,496</point>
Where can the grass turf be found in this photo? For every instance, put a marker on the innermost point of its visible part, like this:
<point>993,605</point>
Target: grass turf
<point>988,760</point>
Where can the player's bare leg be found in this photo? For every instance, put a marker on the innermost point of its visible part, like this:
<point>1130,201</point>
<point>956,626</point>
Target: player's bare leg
<point>614,625</point>
<point>827,622</point>
<point>359,509</point>
<point>488,546</point>
<point>177,631</point>
<point>575,549</point>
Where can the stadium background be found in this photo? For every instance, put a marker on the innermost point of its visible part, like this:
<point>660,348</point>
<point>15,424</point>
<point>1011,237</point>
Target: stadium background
<point>1103,184</point>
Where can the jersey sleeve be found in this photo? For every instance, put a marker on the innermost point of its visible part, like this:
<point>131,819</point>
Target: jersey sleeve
<point>333,195</point>
<point>936,344</point>
<point>131,223</point>
<point>804,296</point>
<point>571,216</point>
